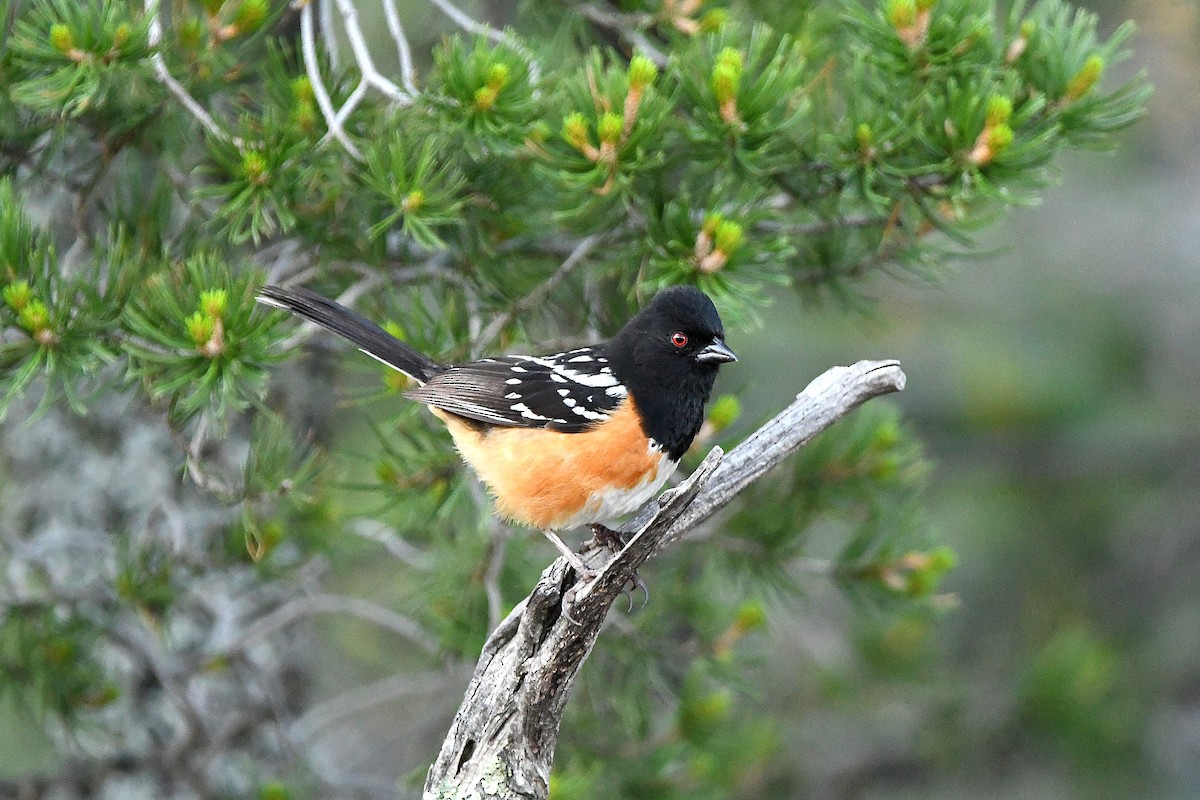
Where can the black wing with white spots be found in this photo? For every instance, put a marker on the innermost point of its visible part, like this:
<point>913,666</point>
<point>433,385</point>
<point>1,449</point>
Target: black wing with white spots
<point>569,392</point>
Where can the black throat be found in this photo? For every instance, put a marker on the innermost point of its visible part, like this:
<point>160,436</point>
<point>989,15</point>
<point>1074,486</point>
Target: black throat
<point>669,397</point>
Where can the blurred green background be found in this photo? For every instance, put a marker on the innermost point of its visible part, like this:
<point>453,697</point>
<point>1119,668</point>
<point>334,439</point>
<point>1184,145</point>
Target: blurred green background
<point>1056,383</point>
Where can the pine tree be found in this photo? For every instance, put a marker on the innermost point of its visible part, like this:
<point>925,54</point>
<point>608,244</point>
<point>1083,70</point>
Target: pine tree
<point>505,190</point>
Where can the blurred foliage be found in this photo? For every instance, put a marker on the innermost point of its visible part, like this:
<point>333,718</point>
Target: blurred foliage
<point>526,191</point>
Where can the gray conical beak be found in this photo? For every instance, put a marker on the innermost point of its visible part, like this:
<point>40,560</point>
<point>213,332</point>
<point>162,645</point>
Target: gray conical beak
<point>716,353</point>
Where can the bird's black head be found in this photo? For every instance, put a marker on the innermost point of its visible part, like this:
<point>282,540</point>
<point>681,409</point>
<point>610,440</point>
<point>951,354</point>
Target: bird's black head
<point>668,356</point>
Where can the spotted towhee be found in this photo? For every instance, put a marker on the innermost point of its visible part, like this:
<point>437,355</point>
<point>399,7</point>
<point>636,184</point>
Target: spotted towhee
<point>568,439</point>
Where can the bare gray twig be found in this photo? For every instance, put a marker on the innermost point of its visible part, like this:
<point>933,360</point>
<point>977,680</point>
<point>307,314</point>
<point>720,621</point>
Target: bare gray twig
<point>181,94</point>
<point>535,297</point>
<point>308,605</point>
<point>403,50</point>
<point>308,46</point>
<point>627,26</point>
<point>362,55</point>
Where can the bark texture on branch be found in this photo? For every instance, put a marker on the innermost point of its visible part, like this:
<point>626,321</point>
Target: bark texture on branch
<point>501,743</point>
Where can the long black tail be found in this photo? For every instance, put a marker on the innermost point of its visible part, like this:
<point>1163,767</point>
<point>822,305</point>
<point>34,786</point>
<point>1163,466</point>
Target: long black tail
<point>369,337</point>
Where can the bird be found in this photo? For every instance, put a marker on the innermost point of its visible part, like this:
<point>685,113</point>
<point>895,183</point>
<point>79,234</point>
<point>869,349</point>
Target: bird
<point>580,437</point>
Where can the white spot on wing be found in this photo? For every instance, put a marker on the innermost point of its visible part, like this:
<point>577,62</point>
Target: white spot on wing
<point>590,380</point>
<point>587,413</point>
<point>526,412</point>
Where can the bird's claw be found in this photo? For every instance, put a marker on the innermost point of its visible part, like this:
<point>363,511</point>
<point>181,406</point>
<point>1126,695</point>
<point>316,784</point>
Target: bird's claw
<point>635,583</point>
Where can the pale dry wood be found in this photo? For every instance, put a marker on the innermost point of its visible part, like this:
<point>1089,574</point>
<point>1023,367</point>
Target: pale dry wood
<point>501,743</point>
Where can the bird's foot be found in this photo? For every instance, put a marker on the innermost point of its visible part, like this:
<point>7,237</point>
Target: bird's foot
<point>604,536</point>
<point>615,541</point>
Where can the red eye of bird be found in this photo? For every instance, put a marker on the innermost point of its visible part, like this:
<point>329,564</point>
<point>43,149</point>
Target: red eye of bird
<point>679,338</point>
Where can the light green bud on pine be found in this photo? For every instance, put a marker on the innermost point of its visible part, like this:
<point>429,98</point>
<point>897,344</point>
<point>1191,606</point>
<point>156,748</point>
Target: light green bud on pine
<point>701,714</point>
<point>732,58</point>
<point>609,127</point>
<point>725,83</point>
<point>999,138</point>
<point>412,201</point>
<point>728,237</point>
<point>254,167</point>
<point>305,116</point>
<point>885,436</point>
<point>200,327</point>
<point>885,467</point>
<point>34,317</point>
<point>250,16</point>
<point>999,110</point>
<point>751,616</point>
<point>1085,79</point>
<point>711,222</point>
<point>302,90</point>
<point>942,560</point>
<point>713,20</point>
<point>902,14</point>
<point>497,76</point>
<point>121,34</point>
<point>17,295</point>
<point>642,73</point>
<point>275,791</point>
<point>386,473</point>
<point>213,302</point>
<point>862,135</point>
<point>190,33</point>
<point>926,570</point>
<point>62,38</point>
<point>485,98</point>
<point>575,130</point>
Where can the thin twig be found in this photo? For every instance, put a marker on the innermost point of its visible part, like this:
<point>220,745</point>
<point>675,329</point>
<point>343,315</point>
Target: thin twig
<point>535,297</point>
<point>471,25</point>
<point>497,549</point>
<point>628,26</point>
<point>310,605</point>
<point>165,77</point>
<point>312,67</point>
<point>363,698</point>
<point>362,55</point>
<point>351,103</point>
<point>393,542</point>
<point>407,73</point>
<point>825,225</point>
<point>329,35</point>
